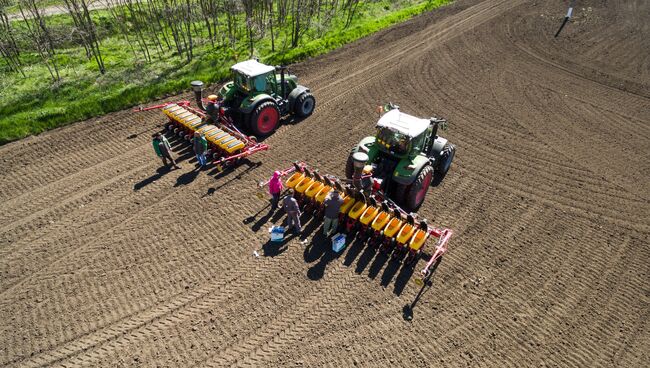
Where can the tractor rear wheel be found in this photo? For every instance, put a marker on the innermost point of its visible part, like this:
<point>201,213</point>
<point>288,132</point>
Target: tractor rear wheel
<point>265,119</point>
<point>418,190</point>
<point>446,157</point>
<point>305,105</point>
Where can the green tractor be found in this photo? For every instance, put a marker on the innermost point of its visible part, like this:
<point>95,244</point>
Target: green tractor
<point>402,158</point>
<point>259,96</point>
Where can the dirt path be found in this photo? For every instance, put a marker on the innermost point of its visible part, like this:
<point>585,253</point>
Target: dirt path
<point>61,9</point>
<point>106,262</point>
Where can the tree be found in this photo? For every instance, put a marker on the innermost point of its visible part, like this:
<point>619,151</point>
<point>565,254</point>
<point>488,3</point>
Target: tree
<point>78,10</point>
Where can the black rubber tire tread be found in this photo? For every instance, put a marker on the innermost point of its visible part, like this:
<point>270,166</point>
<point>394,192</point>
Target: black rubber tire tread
<point>415,188</point>
<point>447,150</point>
<point>297,108</point>
<point>252,121</point>
<point>349,167</point>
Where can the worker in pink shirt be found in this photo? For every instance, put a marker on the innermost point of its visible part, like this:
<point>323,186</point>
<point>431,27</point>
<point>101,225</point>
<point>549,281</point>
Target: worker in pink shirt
<point>275,188</point>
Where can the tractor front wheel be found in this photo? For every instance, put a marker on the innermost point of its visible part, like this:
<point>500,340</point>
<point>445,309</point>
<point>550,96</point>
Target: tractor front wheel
<point>418,190</point>
<point>446,157</point>
<point>305,105</point>
<point>265,119</point>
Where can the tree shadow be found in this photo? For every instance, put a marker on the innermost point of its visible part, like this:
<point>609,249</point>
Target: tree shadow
<point>159,174</point>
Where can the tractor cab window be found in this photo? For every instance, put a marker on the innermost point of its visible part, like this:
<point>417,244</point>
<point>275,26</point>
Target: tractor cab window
<point>393,141</point>
<point>241,81</point>
<point>271,83</point>
<point>418,143</point>
<point>260,83</point>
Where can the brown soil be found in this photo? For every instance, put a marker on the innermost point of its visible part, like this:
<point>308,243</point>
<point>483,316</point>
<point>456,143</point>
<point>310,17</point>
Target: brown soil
<point>105,262</point>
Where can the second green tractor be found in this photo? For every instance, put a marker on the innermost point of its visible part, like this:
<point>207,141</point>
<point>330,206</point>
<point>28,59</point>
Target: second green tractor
<point>404,157</point>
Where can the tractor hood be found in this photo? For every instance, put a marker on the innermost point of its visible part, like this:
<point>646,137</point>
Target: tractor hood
<point>403,123</point>
<point>252,68</point>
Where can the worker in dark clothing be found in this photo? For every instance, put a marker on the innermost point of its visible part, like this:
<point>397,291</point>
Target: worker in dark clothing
<point>332,204</point>
<point>164,150</point>
<point>290,206</point>
<point>212,110</point>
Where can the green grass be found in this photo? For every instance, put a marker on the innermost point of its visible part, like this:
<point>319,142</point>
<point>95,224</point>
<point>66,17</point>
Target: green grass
<point>33,104</point>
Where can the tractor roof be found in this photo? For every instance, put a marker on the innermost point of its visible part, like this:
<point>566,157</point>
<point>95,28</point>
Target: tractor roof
<point>403,123</point>
<point>252,68</point>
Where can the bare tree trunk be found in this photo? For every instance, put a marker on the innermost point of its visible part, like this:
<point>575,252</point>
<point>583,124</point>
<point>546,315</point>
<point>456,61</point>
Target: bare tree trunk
<point>39,34</point>
<point>8,47</point>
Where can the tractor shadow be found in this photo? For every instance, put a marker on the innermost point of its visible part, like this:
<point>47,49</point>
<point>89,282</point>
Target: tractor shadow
<point>437,179</point>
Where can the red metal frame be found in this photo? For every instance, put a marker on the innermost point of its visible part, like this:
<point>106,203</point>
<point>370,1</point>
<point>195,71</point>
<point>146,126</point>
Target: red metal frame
<point>443,236</point>
<point>225,123</point>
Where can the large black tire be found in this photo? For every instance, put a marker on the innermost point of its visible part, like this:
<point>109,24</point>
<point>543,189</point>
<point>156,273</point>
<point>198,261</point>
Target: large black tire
<point>446,157</point>
<point>264,120</point>
<point>304,105</point>
<point>418,190</point>
<point>349,167</point>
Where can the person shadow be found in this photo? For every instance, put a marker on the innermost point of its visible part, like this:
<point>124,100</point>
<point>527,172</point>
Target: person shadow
<point>320,250</point>
<point>160,172</point>
<point>186,178</point>
<point>275,248</point>
<point>270,216</point>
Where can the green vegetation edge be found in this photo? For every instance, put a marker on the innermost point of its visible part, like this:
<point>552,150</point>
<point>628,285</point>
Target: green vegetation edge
<point>38,119</point>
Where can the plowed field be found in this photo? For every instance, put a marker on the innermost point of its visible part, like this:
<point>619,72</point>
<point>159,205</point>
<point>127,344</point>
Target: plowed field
<point>105,261</point>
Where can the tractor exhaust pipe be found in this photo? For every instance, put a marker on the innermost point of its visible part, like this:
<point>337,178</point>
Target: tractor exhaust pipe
<point>197,87</point>
<point>282,70</point>
<point>359,161</point>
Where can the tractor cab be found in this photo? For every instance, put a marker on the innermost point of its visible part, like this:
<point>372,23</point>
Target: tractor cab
<point>402,135</point>
<point>251,76</point>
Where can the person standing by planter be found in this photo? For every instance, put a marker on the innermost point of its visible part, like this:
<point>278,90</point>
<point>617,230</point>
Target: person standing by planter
<point>332,204</point>
<point>164,150</point>
<point>200,146</point>
<point>275,188</point>
<point>293,211</point>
